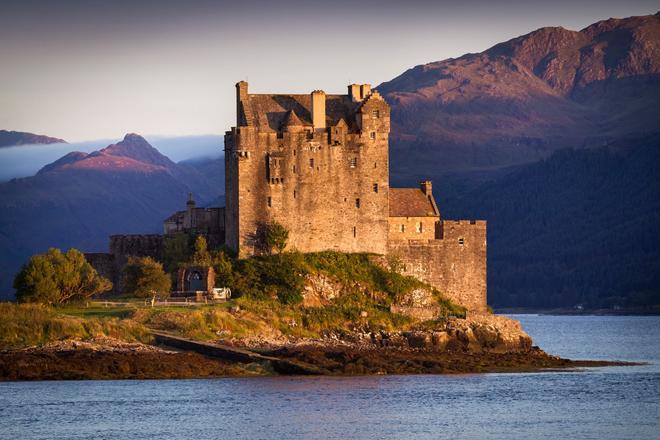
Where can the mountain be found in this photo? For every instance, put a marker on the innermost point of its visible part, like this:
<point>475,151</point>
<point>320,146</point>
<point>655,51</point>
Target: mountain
<point>520,100</point>
<point>81,199</point>
<point>12,138</point>
<point>580,227</point>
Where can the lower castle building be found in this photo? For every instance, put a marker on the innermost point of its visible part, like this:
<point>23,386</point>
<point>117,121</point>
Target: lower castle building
<point>319,165</point>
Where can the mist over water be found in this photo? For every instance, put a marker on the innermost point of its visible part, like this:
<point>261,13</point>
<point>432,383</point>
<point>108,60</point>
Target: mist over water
<point>26,160</point>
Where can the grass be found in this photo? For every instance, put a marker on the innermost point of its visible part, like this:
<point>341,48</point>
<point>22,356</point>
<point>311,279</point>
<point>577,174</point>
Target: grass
<point>270,294</point>
<point>25,325</point>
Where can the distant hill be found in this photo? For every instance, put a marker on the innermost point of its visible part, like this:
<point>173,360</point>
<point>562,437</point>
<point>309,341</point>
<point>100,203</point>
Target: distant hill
<point>13,138</point>
<point>81,199</point>
<point>580,227</point>
<point>520,100</point>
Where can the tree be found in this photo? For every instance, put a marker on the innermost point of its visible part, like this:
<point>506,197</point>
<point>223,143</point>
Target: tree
<point>223,267</point>
<point>201,257</point>
<point>56,278</point>
<point>276,237</point>
<point>144,277</point>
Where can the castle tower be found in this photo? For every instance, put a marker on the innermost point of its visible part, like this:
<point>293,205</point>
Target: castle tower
<point>316,163</point>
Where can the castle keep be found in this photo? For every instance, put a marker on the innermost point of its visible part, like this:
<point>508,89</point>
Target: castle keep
<point>319,165</point>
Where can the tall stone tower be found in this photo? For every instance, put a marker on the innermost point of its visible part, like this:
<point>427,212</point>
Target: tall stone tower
<point>316,163</point>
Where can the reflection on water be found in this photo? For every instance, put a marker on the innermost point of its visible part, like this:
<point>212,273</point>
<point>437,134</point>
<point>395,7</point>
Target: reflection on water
<point>621,402</point>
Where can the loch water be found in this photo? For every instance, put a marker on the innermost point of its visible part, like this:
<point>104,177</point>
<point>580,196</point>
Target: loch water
<point>594,403</point>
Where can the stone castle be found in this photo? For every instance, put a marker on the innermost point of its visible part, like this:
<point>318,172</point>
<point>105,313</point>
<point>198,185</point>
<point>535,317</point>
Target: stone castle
<point>319,165</point>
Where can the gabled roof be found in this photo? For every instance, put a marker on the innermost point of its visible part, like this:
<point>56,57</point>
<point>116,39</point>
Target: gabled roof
<point>291,119</point>
<point>270,112</point>
<point>411,202</point>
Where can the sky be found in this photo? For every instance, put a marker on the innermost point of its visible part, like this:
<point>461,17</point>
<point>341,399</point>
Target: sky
<point>82,70</point>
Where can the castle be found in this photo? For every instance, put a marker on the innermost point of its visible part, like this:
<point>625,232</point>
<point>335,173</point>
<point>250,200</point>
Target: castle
<point>319,165</point>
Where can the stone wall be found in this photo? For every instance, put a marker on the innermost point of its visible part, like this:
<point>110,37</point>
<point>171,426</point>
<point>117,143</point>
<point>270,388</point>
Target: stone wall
<point>455,264</point>
<point>412,228</point>
<point>328,187</point>
<point>104,263</point>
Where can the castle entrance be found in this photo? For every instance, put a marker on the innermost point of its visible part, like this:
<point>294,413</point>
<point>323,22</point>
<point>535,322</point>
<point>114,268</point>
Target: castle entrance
<point>195,282</point>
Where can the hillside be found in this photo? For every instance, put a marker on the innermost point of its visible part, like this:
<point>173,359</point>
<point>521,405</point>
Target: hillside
<point>81,199</point>
<point>577,228</point>
<point>522,99</point>
<point>13,138</point>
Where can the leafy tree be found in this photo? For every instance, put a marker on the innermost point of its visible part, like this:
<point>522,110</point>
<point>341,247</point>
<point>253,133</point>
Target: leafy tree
<point>201,257</point>
<point>276,237</point>
<point>224,269</point>
<point>145,277</point>
<point>56,278</point>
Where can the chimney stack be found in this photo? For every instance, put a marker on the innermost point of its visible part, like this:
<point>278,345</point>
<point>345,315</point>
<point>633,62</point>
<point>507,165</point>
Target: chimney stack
<point>354,92</point>
<point>318,109</point>
<point>365,89</point>
<point>427,188</point>
<point>241,95</point>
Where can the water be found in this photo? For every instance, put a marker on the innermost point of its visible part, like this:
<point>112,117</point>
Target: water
<point>599,403</point>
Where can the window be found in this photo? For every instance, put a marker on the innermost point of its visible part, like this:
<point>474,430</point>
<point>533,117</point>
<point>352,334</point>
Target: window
<point>418,227</point>
<point>461,241</point>
<point>294,169</point>
<point>402,228</point>
<point>354,232</point>
<point>311,163</point>
<point>372,135</point>
<point>357,203</point>
<point>375,164</point>
<point>375,187</point>
<point>353,162</point>
<point>270,202</point>
<point>375,114</point>
<point>295,193</point>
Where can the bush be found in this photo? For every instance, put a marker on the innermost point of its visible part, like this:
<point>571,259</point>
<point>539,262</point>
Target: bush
<point>144,277</point>
<point>56,278</point>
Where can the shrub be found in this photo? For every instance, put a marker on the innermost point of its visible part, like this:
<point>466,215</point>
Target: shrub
<point>144,277</point>
<point>56,278</point>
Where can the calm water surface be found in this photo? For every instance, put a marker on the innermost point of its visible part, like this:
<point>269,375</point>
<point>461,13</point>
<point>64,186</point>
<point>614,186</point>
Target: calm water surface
<point>617,403</point>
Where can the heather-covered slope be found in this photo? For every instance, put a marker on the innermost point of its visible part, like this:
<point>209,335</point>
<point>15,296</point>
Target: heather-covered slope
<point>520,100</point>
<point>81,199</point>
<point>580,227</point>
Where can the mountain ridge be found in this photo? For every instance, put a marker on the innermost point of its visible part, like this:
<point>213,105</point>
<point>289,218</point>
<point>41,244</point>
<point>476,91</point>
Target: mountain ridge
<point>16,138</point>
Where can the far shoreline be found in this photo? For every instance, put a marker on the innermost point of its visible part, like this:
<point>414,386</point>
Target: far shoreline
<point>566,311</point>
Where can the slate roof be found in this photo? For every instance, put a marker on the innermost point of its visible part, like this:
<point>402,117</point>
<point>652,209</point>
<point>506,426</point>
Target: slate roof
<point>269,112</point>
<point>410,202</point>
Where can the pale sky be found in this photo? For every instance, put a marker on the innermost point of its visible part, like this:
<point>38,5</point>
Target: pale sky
<point>81,70</point>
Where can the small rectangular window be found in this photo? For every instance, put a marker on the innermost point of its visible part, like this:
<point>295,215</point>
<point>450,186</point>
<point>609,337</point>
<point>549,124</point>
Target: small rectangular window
<point>375,114</point>
<point>418,227</point>
<point>354,231</point>
<point>270,202</point>
<point>402,228</point>
<point>295,193</point>
<point>294,169</point>
<point>353,162</point>
<point>375,187</point>
<point>461,241</point>
<point>311,163</point>
<point>357,203</point>
<point>372,135</point>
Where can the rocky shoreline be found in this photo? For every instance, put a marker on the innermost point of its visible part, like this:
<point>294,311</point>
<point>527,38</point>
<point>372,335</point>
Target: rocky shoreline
<point>480,344</point>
